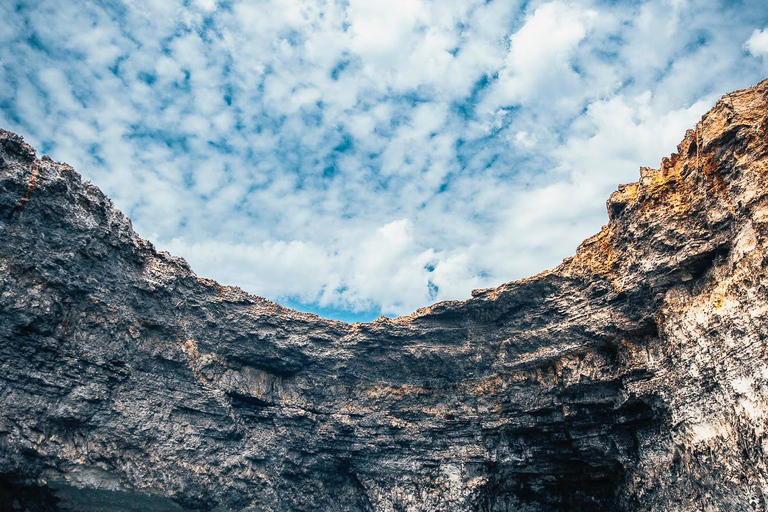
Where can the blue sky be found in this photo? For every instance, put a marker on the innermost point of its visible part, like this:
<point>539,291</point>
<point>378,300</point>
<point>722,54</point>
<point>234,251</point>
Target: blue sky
<point>361,158</point>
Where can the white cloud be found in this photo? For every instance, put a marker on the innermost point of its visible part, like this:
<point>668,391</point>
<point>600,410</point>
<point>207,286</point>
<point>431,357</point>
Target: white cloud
<point>206,5</point>
<point>383,30</point>
<point>757,44</point>
<point>540,53</point>
<point>362,155</point>
<point>618,132</point>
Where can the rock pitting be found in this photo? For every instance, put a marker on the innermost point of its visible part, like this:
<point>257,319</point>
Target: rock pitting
<point>631,377</point>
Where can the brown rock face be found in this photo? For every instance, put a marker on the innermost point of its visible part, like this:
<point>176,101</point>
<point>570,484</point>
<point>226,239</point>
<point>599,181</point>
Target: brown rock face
<point>634,376</point>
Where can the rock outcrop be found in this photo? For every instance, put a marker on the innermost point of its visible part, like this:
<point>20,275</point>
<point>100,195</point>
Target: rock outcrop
<point>631,377</point>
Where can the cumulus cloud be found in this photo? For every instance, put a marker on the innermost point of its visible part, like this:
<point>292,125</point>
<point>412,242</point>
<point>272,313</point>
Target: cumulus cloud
<point>757,44</point>
<point>540,53</point>
<point>357,158</point>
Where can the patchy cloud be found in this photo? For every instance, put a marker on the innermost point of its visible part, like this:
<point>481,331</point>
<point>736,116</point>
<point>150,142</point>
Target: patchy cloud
<point>757,44</point>
<point>357,158</point>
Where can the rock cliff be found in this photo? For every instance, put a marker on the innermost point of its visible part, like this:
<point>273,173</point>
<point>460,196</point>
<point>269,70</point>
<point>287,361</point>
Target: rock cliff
<point>631,377</point>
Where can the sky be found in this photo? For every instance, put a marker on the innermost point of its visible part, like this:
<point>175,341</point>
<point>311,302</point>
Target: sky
<point>361,158</point>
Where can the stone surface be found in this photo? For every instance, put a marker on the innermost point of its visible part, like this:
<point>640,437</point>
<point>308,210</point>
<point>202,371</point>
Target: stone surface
<point>631,377</point>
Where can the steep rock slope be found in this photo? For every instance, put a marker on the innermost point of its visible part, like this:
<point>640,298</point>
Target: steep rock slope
<point>631,377</point>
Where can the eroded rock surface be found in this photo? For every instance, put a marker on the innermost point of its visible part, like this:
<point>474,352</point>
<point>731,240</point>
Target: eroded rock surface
<point>631,377</point>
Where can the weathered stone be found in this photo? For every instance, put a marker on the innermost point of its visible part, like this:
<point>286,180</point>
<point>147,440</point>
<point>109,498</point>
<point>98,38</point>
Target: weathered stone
<point>631,377</point>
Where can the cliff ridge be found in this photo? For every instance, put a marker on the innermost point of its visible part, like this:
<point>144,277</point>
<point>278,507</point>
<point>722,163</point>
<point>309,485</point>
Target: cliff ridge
<point>631,377</point>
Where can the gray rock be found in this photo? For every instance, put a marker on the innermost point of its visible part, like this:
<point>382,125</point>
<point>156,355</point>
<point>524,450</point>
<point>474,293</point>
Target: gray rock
<point>631,377</point>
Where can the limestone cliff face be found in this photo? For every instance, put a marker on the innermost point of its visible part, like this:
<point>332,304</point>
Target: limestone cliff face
<point>634,376</point>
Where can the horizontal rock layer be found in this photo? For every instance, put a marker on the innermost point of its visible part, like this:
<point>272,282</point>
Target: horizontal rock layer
<point>631,377</point>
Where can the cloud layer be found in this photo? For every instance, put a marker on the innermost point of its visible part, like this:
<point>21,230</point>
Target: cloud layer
<point>357,158</point>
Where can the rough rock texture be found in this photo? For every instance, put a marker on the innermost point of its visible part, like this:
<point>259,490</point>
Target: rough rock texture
<point>631,377</point>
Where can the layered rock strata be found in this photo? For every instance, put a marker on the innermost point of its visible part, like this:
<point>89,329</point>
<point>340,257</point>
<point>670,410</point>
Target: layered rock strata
<point>631,377</point>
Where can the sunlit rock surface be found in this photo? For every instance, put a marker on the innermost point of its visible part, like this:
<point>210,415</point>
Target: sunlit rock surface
<point>631,377</point>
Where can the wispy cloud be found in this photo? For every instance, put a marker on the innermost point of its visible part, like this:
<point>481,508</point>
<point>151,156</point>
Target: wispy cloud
<point>359,157</point>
